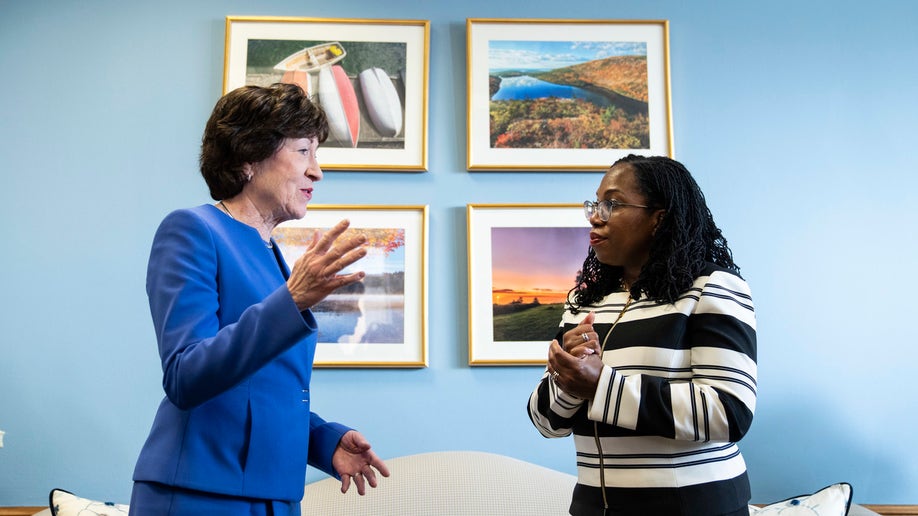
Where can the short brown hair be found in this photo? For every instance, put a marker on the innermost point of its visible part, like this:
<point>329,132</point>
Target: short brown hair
<point>248,125</point>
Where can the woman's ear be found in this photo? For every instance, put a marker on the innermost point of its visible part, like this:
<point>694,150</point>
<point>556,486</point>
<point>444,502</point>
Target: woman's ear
<point>247,171</point>
<point>658,220</point>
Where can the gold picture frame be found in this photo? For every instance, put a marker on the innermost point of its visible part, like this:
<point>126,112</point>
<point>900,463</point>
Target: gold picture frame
<point>523,259</point>
<point>370,76</point>
<point>566,95</point>
<point>381,321</point>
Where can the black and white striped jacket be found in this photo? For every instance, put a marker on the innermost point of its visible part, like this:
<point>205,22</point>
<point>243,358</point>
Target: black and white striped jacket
<point>678,390</point>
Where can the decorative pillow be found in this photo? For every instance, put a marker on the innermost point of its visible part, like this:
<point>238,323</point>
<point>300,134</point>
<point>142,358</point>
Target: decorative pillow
<point>833,500</point>
<point>65,503</point>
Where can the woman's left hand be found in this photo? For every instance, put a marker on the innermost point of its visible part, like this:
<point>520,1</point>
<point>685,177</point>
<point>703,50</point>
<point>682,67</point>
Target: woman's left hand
<point>579,340</point>
<point>354,460</point>
<point>577,375</point>
<point>315,274</point>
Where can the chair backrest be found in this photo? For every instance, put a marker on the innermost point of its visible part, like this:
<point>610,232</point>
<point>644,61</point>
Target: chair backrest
<point>451,483</point>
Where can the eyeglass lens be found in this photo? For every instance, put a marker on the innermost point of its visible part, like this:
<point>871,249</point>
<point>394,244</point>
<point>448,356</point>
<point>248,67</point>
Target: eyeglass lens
<point>603,208</point>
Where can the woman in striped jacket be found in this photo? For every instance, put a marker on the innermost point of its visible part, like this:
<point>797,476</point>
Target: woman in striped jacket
<point>653,369</point>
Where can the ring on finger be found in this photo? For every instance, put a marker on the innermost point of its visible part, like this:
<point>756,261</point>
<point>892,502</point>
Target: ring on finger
<point>585,338</point>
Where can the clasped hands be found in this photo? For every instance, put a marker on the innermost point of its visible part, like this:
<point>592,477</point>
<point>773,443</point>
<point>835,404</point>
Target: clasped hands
<point>575,364</point>
<point>354,461</point>
<point>315,275</point>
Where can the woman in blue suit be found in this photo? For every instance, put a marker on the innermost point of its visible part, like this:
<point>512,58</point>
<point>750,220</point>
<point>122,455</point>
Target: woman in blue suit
<point>236,337</point>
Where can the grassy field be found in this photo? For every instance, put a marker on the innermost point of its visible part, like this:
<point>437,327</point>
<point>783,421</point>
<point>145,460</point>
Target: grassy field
<point>530,324</point>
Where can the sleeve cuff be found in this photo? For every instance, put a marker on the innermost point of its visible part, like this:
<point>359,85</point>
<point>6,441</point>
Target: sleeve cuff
<point>598,404</point>
<point>323,441</point>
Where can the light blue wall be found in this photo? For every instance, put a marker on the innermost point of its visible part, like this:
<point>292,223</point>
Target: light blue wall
<point>797,118</point>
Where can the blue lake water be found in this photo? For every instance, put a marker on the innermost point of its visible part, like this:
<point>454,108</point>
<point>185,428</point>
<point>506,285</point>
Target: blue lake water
<point>334,325</point>
<point>379,319</point>
<point>528,88</point>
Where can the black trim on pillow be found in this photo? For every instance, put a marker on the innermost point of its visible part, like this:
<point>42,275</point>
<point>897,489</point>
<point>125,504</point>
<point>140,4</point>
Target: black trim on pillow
<point>847,504</point>
<point>51,505</point>
<point>55,506</point>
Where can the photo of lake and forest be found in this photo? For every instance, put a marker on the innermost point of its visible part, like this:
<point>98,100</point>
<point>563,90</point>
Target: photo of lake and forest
<point>532,270</point>
<point>371,311</point>
<point>568,94</point>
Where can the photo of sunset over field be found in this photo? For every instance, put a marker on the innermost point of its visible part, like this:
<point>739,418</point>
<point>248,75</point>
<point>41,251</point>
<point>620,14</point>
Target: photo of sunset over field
<point>532,270</point>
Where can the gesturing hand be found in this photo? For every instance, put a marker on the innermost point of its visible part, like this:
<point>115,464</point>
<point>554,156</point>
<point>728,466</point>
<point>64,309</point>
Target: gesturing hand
<point>353,459</point>
<point>315,274</point>
<point>582,339</point>
<point>575,375</point>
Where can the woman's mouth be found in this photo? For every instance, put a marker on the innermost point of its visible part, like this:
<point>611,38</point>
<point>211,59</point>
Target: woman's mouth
<point>595,239</point>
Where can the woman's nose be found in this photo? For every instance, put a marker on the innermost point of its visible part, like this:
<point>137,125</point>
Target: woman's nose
<point>314,172</point>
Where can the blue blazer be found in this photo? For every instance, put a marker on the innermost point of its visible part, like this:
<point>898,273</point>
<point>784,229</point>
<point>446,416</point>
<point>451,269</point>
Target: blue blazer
<point>237,359</point>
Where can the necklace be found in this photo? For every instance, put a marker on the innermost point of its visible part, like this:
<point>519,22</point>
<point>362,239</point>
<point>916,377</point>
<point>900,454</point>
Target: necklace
<point>602,465</point>
<point>268,243</point>
<point>619,318</point>
<point>226,210</point>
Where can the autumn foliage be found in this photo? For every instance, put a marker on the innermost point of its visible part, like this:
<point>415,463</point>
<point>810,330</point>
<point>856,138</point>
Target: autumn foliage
<point>384,239</point>
<point>624,75</point>
<point>552,123</point>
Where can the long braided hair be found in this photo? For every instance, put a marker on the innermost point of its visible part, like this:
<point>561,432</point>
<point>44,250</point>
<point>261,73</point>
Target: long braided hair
<point>685,241</point>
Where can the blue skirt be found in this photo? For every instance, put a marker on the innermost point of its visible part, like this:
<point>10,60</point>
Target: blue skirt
<point>153,499</point>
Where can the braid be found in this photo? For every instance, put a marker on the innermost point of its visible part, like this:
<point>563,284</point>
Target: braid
<point>686,240</point>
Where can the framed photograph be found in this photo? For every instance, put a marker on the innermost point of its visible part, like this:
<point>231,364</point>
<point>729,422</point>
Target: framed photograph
<point>523,260</point>
<point>370,77</point>
<point>566,95</point>
<point>381,321</point>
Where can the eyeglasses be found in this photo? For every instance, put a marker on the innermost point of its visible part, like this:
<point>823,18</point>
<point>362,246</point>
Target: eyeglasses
<point>604,208</point>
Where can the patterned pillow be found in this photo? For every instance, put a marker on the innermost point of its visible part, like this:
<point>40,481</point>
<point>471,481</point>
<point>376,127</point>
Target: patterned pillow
<point>833,500</point>
<point>65,503</point>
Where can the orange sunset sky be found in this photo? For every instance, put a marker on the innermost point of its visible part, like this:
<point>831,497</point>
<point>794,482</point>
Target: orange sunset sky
<point>536,262</point>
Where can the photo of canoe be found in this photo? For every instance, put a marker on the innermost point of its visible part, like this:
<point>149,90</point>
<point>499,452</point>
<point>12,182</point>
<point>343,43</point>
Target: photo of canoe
<point>568,94</point>
<point>359,84</point>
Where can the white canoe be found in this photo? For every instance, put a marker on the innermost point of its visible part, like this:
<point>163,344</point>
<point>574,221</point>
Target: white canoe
<point>382,101</point>
<point>312,58</point>
<point>338,99</point>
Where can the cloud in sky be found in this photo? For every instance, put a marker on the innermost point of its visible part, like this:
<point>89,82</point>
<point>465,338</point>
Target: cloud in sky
<point>556,54</point>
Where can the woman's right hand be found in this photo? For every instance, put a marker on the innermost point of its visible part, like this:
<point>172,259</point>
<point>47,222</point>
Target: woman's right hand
<point>315,274</point>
